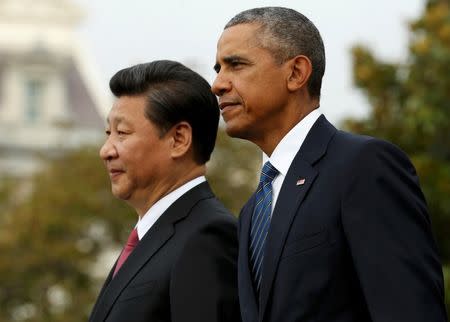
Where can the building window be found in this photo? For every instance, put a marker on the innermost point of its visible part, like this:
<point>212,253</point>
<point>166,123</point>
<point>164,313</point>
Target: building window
<point>34,94</point>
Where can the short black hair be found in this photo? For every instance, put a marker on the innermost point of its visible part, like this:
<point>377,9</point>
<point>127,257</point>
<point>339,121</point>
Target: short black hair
<point>287,33</point>
<point>174,94</point>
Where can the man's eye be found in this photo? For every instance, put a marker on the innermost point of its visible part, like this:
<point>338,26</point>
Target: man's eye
<point>108,132</point>
<point>237,65</point>
<point>121,132</point>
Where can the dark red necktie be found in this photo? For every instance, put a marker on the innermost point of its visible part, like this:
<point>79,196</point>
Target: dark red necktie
<point>132,241</point>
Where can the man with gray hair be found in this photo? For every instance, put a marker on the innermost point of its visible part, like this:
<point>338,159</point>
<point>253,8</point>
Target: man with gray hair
<point>338,229</point>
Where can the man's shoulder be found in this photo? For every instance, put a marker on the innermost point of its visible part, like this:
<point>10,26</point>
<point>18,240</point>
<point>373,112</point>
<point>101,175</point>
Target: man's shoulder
<point>354,152</point>
<point>205,208</point>
<point>212,211</point>
<point>208,225</point>
<point>362,143</point>
<point>353,139</point>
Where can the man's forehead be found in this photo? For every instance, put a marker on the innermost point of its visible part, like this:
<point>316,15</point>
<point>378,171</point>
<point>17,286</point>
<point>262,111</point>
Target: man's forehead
<point>242,33</point>
<point>114,118</point>
<point>116,115</point>
<point>236,41</point>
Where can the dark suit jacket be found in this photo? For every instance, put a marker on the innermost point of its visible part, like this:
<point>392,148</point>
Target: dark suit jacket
<point>183,269</point>
<point>352,244</point>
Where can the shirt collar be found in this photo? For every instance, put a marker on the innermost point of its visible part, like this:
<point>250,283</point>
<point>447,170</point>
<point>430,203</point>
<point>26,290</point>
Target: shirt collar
<point>155,211</point>
<point>287,148</point>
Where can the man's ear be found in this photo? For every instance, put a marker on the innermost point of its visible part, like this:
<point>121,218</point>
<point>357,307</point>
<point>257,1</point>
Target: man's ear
<point>181,139</point>
<point>300,71</point>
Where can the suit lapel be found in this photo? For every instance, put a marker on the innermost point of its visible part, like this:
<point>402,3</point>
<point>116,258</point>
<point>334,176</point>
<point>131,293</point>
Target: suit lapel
<point>102,291</point>
<point>247,298</point>
<point>154,239</point>
<point>289,200</point>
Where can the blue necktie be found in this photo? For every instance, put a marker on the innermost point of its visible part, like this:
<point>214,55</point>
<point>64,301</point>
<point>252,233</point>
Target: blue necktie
<point>261,222</point>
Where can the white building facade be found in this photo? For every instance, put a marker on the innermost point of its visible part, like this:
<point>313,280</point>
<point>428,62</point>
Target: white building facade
<point>48,96</point>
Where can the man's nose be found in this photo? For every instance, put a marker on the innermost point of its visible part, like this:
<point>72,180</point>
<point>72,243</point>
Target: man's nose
<point>108,150</point>
<point>221,85</point>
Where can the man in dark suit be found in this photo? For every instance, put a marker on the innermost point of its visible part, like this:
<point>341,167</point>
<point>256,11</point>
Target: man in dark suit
<point>338,229</point>
<point>179,263</point>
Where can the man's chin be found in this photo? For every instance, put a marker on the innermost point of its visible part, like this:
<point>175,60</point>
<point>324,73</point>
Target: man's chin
<point>120,194</point>
<point>235,131</point>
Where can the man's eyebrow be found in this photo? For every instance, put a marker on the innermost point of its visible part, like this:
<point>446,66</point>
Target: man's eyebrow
<point>232,58</point>
<point>116,119</point>
<point>229,60</point>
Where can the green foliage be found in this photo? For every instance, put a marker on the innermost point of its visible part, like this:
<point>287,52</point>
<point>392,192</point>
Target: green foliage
<point>410,106</point>
<point>50,240</point>
<point>55,227</point>
<point>232,171</point>
<point>6,188</point>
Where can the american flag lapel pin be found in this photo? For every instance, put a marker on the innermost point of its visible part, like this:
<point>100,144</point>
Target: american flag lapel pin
<point>300,182</point>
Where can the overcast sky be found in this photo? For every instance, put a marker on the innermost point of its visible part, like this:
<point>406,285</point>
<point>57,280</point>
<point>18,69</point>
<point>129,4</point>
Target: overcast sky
<point>119,34</point>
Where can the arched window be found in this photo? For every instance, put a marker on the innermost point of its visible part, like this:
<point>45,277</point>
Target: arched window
<point>34,98</point>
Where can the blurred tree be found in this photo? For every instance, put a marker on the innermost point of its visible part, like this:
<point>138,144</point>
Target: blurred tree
<point>53,240</point>
<point>410,106</point>
<point>5,192</point>
<point>233,171</point>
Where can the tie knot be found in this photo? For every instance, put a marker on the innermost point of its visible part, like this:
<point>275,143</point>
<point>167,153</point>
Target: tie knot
<point>268,173</point>
<point>133,239</point>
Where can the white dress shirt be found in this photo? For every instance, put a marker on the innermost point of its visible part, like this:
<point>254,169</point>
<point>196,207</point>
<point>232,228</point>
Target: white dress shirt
<point>287,148</point>
<point>155,211</point>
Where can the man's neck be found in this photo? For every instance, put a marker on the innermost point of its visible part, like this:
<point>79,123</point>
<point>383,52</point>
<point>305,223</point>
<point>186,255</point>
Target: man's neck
<point>176,179</point>
<point>268,141</point>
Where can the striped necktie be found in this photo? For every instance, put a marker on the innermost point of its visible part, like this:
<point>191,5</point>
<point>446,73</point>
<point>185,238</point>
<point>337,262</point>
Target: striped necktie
<point>261,222</point>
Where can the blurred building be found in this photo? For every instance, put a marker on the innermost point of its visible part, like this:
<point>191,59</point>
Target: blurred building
<point>48,96</point>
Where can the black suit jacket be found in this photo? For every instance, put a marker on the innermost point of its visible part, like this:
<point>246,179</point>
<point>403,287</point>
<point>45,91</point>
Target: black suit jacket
<point>351,244</point>
<point>183,269</point>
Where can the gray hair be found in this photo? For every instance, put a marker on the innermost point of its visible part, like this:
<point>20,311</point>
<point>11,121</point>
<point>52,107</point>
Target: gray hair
<point>287,33</point>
